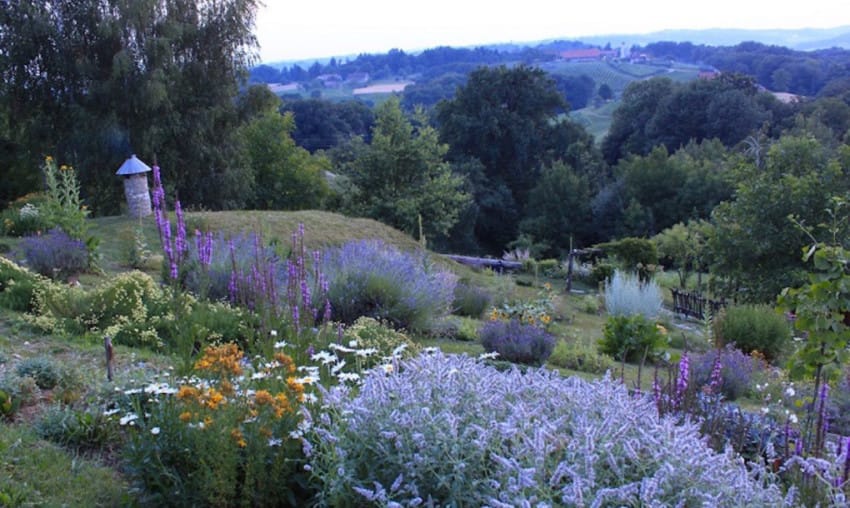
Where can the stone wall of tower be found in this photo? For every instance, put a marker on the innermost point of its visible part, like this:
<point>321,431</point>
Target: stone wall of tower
<point>137,194</point>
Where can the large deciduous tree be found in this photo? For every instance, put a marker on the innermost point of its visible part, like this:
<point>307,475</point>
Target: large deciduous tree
<point>756,247</point>
<point>503,123</point>
<point>402,177</point>
<point>93,81</point>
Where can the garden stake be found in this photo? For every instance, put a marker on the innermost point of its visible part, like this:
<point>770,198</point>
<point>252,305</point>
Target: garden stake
<point>107,345</point>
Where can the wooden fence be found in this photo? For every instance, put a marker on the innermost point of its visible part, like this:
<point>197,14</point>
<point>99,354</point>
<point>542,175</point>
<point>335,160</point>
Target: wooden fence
<point>694,304</point>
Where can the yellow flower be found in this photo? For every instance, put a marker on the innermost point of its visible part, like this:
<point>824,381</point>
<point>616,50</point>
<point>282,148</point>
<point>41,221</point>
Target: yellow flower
<point>185,416</point>
<point>547,286</point>
<point>48,159</point>
<point>661,329</point>
<point>294,385</point>
<point>545,319</point>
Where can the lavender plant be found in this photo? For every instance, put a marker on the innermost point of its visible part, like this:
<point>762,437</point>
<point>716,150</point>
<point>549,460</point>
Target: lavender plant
<point>449,430</point>
<point>371,278</point>
<point>54,254</point>
<point>734,376</point>
<point>517,342</point>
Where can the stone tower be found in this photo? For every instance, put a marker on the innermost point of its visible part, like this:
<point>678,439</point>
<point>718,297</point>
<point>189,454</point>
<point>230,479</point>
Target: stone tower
<point>136,186</point>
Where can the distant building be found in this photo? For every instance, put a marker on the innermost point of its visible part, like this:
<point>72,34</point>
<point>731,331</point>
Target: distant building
<point>278,88</point>
<point>330,80</point>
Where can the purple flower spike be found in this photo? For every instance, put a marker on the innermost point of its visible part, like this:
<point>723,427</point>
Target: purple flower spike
<point>682,380</point>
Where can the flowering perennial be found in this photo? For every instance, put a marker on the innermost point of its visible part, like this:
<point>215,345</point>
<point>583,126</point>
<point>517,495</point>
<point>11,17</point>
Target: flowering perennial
<point>448,430</point>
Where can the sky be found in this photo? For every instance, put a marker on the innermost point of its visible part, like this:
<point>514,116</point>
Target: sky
<point>305,29</point>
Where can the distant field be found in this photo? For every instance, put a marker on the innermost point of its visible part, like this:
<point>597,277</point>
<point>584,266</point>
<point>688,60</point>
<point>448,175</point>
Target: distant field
<point>618,75</point>
<point>397,86</point>
<point>596,120</point>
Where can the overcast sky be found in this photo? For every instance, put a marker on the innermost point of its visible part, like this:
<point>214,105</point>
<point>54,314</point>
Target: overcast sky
<point>301,29</point>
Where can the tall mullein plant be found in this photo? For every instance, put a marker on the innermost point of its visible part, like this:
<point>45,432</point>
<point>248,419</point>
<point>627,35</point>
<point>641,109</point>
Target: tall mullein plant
<point>64,207</point>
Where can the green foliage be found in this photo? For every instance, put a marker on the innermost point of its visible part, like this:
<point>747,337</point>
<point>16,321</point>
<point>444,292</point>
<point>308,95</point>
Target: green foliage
<point>822,308</point>
<point>62,206</point>
<point>36,472</point>
<point>633,254</point>
<point>755,248</point>
<point>631,338</point>
<point>558,210</point>
<point>403,176</point>
<point>367,333</point>
<point>8,404</point>
<point>23,216</point>
<point>218,441</point>
<point>285,176</point>
<point>126,74</point>
<point>601,273</point>
<point>82,430</point>
<point>43,370</point>
<point>502,128</point>
<point>754,328</point>
<point>579,356</point>
<point>470,300</point>
<point>18,286</point>
<point>684,247</point>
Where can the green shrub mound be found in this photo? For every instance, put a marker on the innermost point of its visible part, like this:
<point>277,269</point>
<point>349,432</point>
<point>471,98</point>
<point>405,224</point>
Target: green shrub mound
<point>754,328</point>
<point>447,430</point>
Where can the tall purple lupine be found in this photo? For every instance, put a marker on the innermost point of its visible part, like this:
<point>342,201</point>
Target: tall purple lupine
<point>682,380</point>
<point>847,460</point>
<point>822,423</point>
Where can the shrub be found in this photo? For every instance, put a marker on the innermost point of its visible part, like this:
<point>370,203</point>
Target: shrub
<point>376,342</point>
<point>470,300</point>
<point>580,357</point>
<point>626,295</point>
<point>631,338</point>
<point>736,371</point>
<point>18,286</point>
<point>78,429</point>
<point>455,432</point>
<point>54,254</point>
<point>23,217</point>
<point>371,278</point>
<point>467,329</point>
<point>537,312</point>
<point>43,370</point>
<point>219,439</point>
<point>131,308</point>
<point>517,342</point>
<point>754,328</point>
<point>8,404</point>
<point>601,273</point>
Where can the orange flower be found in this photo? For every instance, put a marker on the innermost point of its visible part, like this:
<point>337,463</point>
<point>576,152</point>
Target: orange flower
<point>281,405</point>
<point>185,416</point>
<point>286,362</point>
<point>294,385</point>
<point>222,360</point>
<point>188,392</point>
<point>214,398</point>
<point>237,436</point>
<point>263,397</point>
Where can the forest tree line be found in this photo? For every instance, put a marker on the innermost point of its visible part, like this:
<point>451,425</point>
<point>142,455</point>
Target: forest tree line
<point>495,166</point>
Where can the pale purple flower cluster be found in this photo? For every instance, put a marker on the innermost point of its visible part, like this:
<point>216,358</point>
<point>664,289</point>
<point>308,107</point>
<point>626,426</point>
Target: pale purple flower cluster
<point>452,431</point>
